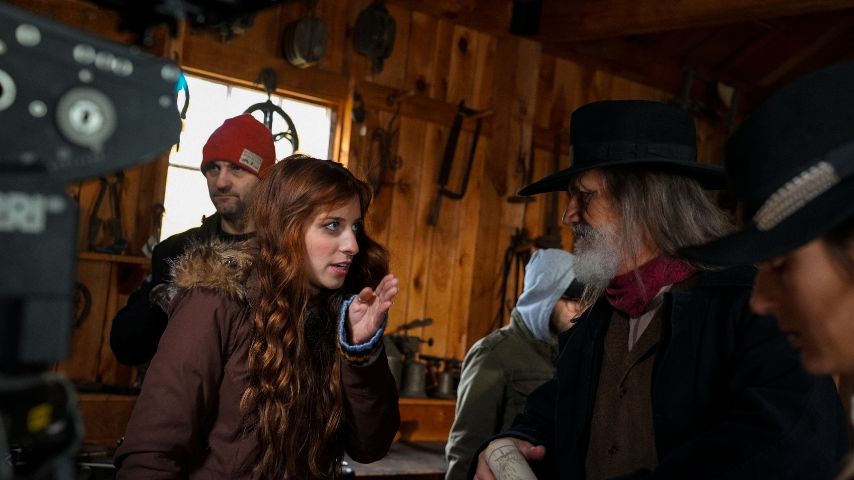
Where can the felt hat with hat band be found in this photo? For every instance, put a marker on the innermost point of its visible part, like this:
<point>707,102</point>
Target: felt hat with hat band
<point>243,141</point>
<point>792,166</point>
<point>636,133</point>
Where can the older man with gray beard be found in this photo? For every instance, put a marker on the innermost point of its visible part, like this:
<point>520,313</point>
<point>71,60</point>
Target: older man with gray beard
<point>668,374</point>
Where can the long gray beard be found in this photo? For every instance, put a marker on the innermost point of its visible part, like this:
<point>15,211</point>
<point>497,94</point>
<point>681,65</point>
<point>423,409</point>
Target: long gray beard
<point>597,255</point>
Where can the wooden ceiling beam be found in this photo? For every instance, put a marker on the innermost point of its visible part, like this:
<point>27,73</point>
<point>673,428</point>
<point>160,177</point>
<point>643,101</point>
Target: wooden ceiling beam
<point>582,20</point>
<point>780,54</point>
<point>490,16</point>
<point>563,21</point>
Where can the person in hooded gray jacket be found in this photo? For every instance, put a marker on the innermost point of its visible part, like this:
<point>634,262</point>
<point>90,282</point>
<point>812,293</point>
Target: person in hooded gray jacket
<point>501,369</point>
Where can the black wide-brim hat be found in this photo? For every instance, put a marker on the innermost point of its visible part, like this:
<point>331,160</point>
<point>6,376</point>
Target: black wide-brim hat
<point>631,133</point>
<point>792,166</point>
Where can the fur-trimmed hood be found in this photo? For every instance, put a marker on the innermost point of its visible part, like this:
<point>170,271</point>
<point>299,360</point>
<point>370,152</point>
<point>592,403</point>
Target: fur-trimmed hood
<point>212,264</point>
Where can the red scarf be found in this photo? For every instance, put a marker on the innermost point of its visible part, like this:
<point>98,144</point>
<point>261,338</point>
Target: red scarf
<point>626,295</point>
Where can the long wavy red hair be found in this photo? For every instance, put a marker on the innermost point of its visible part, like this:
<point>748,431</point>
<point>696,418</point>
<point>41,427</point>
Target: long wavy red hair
<point>294,398</point>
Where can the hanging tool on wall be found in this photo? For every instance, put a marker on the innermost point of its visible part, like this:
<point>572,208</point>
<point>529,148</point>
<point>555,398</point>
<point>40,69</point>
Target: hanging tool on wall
<point>524,166</point>
<point>111,187</point>
<point>552,238</point>
<point>269,80</point>
<point>463,113</point>
<point>304,41</point>
<point>516,256</point>
<point>382,141</point>
<point>358,112</point>
<point>374,34</point>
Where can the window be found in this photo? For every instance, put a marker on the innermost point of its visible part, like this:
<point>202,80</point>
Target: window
<point>211,102</point>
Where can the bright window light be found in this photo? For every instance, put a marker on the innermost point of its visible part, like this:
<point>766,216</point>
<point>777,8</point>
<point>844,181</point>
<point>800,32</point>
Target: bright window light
<point>187,199</point>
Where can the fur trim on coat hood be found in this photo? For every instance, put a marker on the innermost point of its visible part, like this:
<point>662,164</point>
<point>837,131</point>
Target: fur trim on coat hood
<point>213,264</point>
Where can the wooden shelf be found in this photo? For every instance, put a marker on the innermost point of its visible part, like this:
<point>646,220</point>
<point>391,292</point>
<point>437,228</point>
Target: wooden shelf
<point>429,401</point>
<point>425,419</point>
<point>422,419</point>
<point>106,257</point>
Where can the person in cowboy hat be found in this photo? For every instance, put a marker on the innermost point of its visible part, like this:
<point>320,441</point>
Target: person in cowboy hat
<point>668,374</point>
<point>792,166</point>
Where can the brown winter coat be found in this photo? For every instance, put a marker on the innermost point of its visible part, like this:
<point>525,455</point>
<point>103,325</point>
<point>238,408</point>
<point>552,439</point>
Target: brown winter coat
<point>187,422</point>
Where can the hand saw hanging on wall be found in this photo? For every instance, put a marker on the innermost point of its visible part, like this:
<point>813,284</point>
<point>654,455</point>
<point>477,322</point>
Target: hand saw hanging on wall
<point>463,113</point>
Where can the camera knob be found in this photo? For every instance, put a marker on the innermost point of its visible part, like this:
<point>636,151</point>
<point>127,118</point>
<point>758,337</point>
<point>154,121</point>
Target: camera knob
<point>7,90</point>
<point>86,117</point>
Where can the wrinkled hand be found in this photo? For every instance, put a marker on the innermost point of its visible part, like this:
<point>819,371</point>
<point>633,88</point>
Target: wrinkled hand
<point>530,452</point>
<point>368,310</point>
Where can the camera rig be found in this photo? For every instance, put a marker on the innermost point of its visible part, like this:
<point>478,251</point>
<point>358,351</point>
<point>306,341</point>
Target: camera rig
<point>72,107</point>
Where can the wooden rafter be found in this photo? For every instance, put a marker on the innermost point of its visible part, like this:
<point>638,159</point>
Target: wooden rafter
<point>564,21</point>
<point>490,16</point>
<point>581,20</point>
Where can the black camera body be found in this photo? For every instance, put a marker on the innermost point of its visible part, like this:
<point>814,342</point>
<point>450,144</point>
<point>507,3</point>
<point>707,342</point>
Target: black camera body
<point>72,107</point>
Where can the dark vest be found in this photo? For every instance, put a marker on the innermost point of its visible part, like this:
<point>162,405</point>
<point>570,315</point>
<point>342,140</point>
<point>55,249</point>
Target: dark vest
<point>622,437</point>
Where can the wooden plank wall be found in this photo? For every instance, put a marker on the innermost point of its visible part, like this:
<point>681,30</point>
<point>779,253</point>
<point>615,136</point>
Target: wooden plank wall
<point>450,272</point>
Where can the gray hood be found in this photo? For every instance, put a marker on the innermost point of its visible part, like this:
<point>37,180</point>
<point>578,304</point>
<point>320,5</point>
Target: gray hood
<point>547,275</point>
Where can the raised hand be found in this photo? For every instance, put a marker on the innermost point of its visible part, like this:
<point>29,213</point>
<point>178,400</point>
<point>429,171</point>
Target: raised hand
<point>368,310</point>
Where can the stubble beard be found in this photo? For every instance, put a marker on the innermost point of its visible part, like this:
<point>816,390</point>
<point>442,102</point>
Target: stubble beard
<point>597,255</point>
<point>233,213</point>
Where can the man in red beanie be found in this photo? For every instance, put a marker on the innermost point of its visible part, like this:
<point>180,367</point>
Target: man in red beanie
<point>235,157</point>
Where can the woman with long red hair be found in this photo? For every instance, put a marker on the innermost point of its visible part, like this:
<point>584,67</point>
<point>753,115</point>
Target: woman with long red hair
<point>272,363</point>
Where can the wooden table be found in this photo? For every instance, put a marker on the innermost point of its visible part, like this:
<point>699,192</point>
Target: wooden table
<point>406,461</point>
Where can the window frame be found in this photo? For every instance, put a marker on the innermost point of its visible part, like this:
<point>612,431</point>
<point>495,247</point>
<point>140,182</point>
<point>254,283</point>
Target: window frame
<point>167,163</point>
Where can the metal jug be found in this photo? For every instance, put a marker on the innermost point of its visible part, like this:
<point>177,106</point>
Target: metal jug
<point>446,388</point>
<point>414,380</point>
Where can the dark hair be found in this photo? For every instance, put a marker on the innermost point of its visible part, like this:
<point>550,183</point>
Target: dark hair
<point>294,397</point>
<point>840,246</point>
<point>574,291</point>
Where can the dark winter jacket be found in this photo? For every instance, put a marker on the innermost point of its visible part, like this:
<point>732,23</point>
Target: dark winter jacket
<point>137,327</point>
<point>187,422</point>
<point>730,398</point>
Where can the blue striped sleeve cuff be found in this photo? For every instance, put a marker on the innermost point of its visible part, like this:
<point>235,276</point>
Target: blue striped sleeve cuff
<point>360,354</point>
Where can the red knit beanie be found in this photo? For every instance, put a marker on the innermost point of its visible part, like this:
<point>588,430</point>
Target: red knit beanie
<point>243,141</point>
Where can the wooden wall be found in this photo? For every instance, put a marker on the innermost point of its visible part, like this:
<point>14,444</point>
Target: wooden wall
<point>450,272</point>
